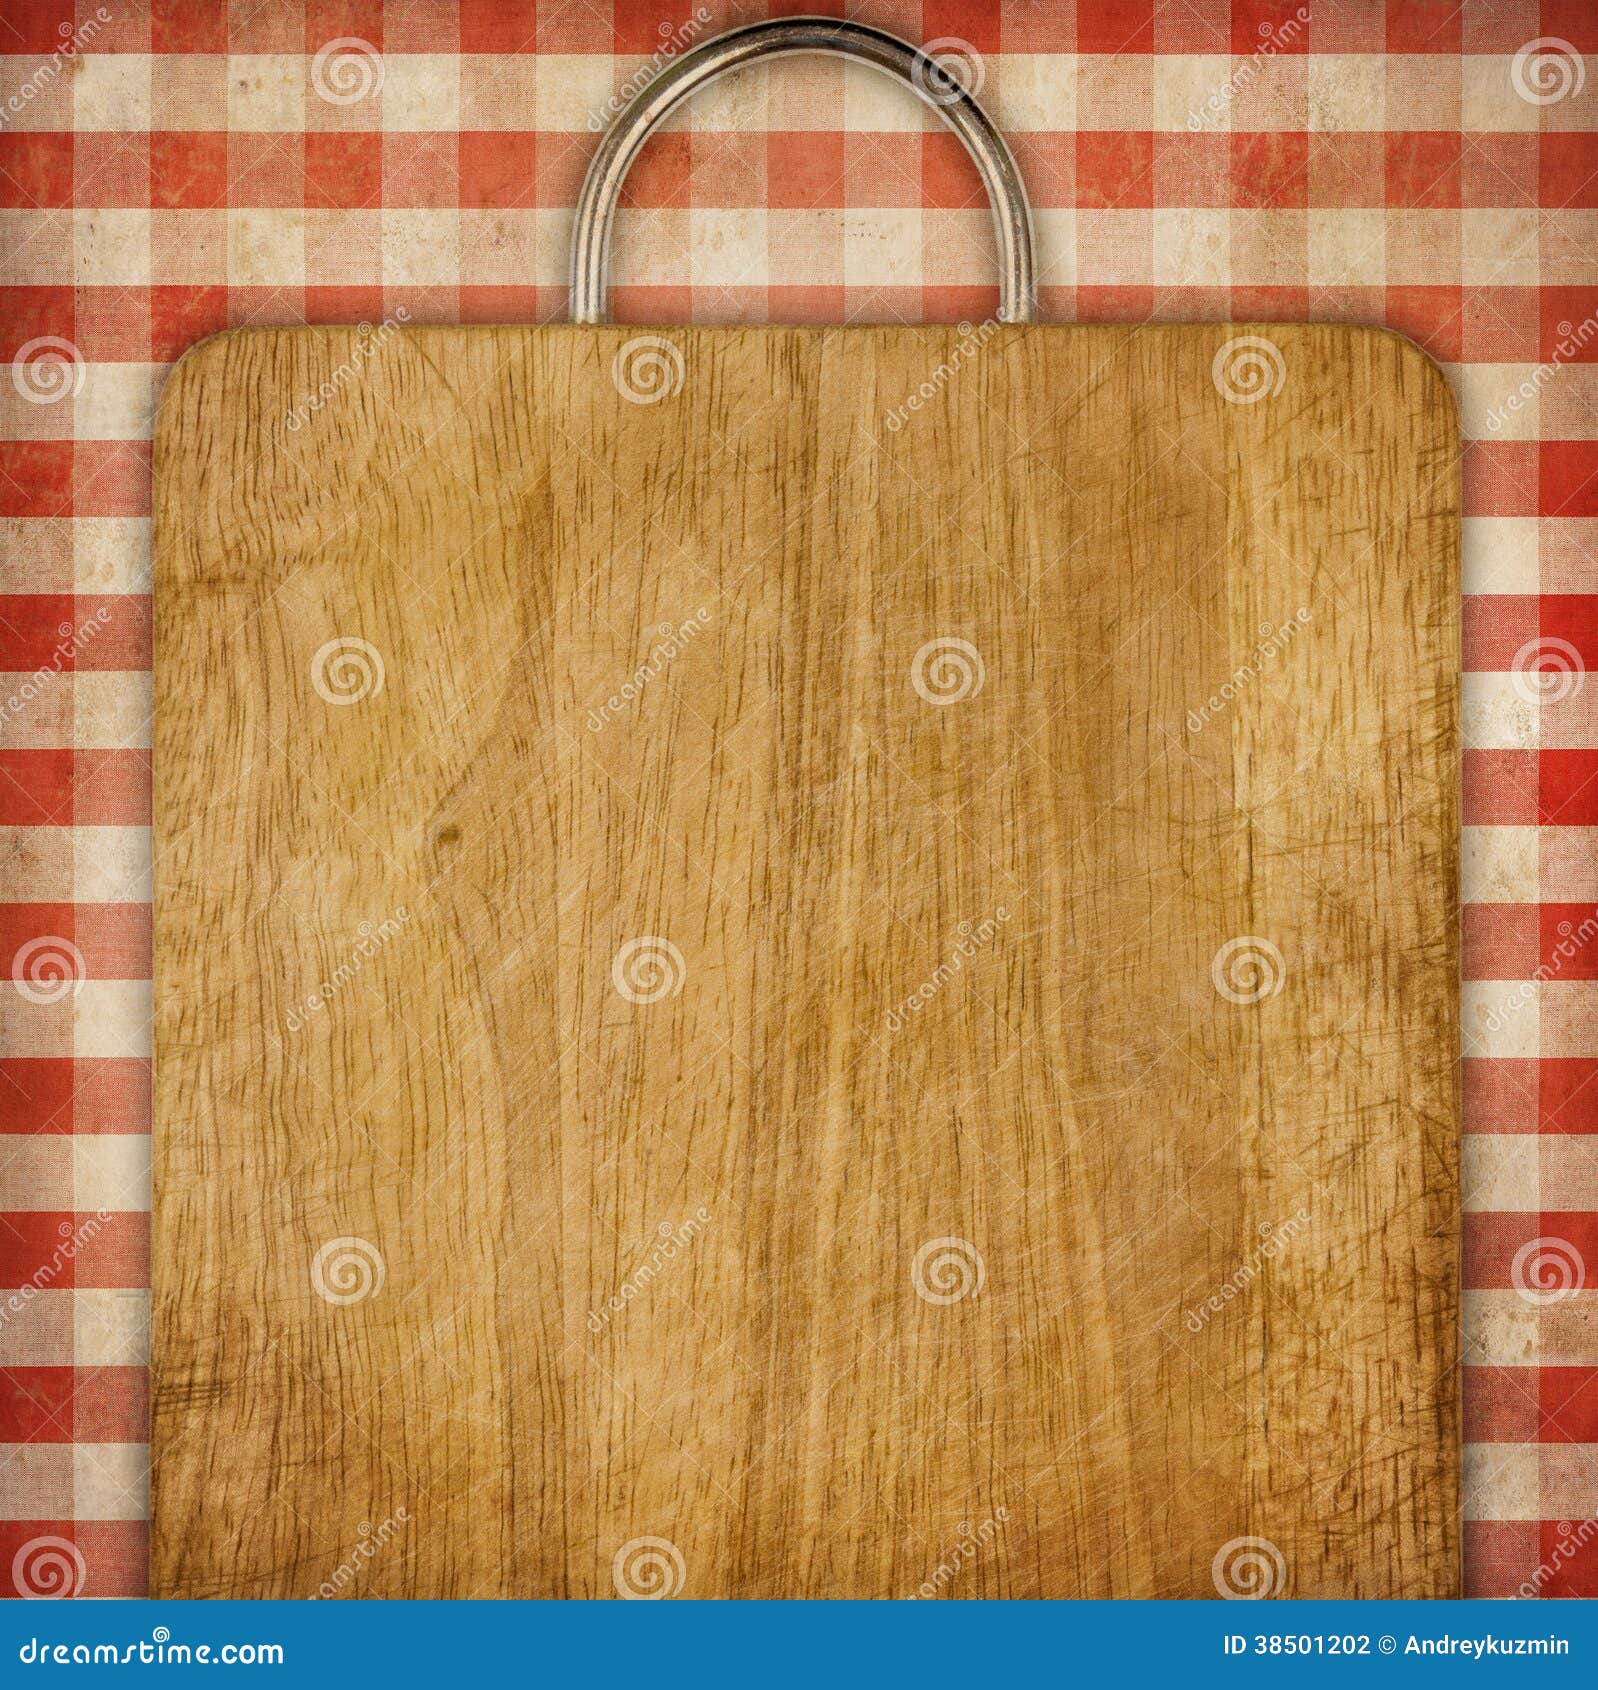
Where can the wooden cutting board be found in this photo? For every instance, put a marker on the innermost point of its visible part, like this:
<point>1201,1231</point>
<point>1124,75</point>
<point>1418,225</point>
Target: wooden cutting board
<point>803,962</point>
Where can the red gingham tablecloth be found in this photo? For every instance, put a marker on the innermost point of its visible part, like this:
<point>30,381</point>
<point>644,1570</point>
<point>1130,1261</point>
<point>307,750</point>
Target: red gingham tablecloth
<point>171,167</point>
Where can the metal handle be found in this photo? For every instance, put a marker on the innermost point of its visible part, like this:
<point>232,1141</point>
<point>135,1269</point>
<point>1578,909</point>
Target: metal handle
<point>596,205</point>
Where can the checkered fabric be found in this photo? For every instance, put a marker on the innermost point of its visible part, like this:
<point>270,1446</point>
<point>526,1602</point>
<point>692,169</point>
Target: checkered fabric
<point>172,167</point>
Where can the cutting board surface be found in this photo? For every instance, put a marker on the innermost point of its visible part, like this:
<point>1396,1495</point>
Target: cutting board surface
<point>804,962</point>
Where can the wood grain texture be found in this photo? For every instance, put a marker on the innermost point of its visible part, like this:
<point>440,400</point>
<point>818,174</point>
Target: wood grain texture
<point>653,1260</point>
